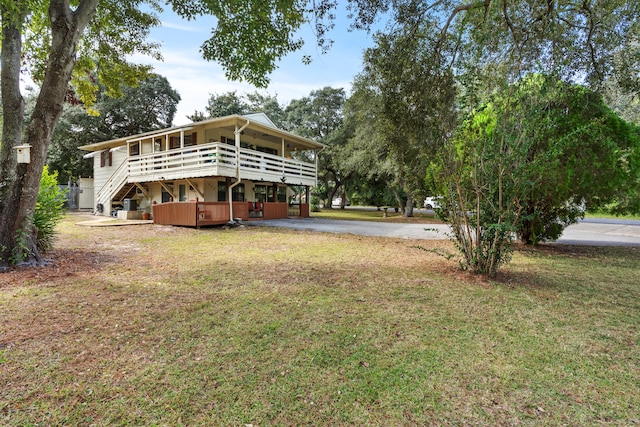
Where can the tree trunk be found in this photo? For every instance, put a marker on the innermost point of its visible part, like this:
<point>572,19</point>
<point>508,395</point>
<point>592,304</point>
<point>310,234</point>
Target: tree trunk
<point>332,195</point>
<point>17,234</point>
<point>13,112</point>
<point>398,197</point>
<point>408,211</point>
<point>12,102</point>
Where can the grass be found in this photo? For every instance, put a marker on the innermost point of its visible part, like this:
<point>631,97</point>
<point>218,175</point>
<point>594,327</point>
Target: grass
<point>371,214</point>
<point>603,214</point>
<point>155,325</point>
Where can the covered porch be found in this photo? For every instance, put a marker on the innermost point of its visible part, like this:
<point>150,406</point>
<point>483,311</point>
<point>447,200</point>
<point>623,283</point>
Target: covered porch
<point>206,160</point>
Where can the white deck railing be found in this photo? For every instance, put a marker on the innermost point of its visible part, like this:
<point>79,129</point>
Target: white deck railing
<point>197,160</point>
<point>218,159</point>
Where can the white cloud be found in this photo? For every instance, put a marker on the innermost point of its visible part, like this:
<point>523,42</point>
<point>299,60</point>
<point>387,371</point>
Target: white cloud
<point>196,79</point>
<point>181,27</point>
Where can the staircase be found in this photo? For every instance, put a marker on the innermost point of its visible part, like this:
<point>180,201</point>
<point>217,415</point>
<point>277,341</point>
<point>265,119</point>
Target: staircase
<point>117,188</point>
<point>127,191</point>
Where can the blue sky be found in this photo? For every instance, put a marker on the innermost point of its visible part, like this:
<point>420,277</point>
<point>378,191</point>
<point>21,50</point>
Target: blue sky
<point>195,79</point>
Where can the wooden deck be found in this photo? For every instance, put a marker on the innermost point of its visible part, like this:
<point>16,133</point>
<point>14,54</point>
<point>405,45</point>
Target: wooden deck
<point>199,214</point>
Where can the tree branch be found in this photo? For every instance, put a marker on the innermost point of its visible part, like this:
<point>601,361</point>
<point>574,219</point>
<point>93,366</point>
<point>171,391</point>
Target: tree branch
<point>464,8</point>
<point>592,50</point>
<point>512,30</point>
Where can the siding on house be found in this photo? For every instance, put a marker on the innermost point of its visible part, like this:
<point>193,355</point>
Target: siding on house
<point>101,174</point>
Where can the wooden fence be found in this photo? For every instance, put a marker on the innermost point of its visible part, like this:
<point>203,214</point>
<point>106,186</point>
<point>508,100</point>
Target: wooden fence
<point>197,214</point>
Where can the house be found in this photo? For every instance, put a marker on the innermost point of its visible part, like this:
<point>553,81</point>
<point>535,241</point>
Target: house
<point>205,173</point>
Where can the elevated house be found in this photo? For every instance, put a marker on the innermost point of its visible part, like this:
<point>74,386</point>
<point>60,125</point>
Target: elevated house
<point>205,173</point>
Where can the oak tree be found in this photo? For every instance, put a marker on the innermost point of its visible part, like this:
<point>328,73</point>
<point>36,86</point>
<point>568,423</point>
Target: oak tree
<point>151,105</point>
<point>319,116</point>
<point>86,42</point>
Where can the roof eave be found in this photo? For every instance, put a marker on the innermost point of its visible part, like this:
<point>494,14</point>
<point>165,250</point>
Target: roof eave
<point>231,120</point>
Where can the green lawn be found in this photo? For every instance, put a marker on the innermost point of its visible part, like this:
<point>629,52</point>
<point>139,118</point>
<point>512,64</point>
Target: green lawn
<point>359,214</point>
<point>602,214</point>
<point>151,325</point>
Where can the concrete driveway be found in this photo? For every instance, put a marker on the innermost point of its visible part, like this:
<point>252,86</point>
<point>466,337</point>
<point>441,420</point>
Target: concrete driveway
<point>602,232</point>
<point>363,228</point>
<point>593,232</point>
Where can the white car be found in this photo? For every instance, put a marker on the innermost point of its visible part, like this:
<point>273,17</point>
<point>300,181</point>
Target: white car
<point>431,203</point>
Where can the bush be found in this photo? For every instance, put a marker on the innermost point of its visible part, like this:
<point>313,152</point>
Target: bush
<point>49,209</point>
<point>525,164</point>
<point>315,204</point>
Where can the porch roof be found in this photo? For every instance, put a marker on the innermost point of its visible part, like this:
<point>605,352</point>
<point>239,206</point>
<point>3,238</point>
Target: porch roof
<point>228,122</point>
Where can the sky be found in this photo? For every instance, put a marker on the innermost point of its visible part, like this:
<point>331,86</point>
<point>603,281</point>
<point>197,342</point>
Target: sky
<point>196,79</point>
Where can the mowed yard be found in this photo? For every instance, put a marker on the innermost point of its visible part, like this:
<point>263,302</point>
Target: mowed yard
<point>162,326</point>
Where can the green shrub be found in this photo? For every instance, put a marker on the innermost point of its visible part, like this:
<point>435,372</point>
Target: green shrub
<point>49,209</point>
<point>315,203</point>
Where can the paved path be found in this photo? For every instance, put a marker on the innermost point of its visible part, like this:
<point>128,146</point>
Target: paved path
<point>596,232</point>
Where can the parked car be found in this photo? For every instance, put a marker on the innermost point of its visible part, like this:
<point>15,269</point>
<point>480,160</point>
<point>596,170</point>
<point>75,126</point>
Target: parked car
<point>338,202</point>
<point>431,203</point>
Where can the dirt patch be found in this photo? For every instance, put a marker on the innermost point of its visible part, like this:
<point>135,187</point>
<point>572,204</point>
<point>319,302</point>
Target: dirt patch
<point>64,263</point>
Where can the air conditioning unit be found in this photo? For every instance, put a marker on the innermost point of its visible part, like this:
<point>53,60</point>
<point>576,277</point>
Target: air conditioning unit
<point>130,205</point>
